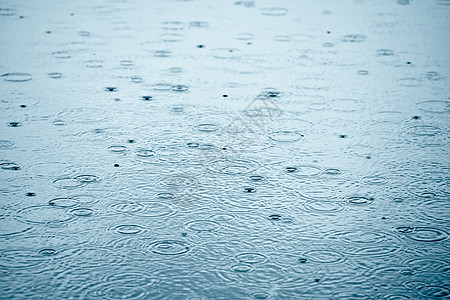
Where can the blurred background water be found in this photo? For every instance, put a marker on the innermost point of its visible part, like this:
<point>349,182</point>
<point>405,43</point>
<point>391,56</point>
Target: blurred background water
<point>225,149</point>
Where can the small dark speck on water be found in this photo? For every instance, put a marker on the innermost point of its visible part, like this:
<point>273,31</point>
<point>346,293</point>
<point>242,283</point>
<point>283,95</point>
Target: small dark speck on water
<point>48,32</point>
<point>183,234</point>
<point>342,136</point>
<point>317,280</point>
<point>416,117</point>
<point>30,194</point>
<point>116,165</point>
<point>23,106</point>
<point>302,260</point>
<point>225,96</point>
<point>200,46</point>
<point>130,141</point>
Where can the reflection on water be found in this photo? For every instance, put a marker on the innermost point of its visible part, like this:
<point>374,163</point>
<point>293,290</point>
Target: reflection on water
<point>193,149</point>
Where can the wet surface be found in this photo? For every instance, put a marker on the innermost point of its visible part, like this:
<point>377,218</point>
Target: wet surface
<point>224,149</point>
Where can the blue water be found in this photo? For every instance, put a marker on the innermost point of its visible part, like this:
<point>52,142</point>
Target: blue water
<point>168,149</point>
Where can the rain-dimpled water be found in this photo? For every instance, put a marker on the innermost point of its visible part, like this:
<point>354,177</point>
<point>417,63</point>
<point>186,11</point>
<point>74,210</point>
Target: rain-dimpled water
<point>199,149</point>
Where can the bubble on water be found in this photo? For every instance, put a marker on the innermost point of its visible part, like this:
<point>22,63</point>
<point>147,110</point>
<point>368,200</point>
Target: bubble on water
<point>16,77</point>
<point>170,247</point>
<point>274,11</point>
<point>285,136</point>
